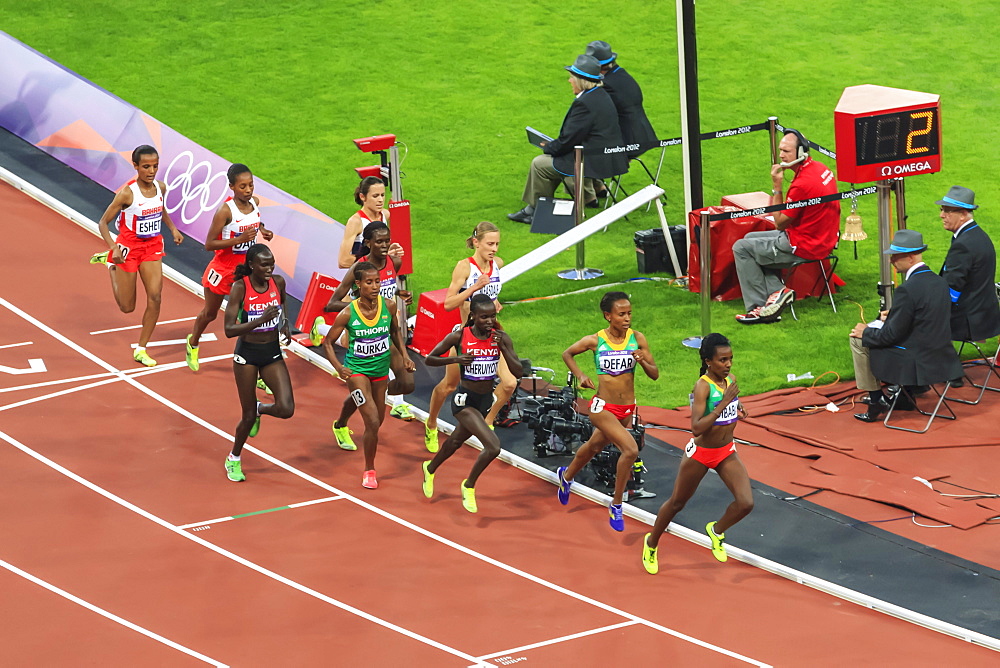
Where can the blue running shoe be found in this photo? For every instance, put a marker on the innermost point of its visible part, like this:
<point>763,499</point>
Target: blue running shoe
<point>564,486</point>
<point>617,521</point>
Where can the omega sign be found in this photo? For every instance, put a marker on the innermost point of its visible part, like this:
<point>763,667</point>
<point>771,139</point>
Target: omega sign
<point>906,169</point>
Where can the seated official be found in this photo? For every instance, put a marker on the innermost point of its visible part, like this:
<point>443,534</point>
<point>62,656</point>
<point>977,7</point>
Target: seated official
<point>806,233</point>
<point>627,96</point>
<point>591,122</point>
<point>970,269</point>
<point>912,346</point>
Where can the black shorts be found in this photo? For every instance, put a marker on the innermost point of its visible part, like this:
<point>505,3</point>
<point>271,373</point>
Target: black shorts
<point>257,354</point>
<point>464,398</point>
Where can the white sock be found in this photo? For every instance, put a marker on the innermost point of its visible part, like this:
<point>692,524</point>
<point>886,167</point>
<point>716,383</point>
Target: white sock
<point>233,458</point>
<point>139,349</point>
<point>258,409</point>
<point>396,398</point>
<point>324,329</point>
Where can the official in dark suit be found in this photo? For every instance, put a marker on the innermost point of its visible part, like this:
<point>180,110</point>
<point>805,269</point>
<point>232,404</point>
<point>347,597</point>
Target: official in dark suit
<point>627,96</point>
<point>591,122</point>
<point>913,345</point>
<point>970,269</point>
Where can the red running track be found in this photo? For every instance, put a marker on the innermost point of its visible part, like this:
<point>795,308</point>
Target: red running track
<point>121,543</point>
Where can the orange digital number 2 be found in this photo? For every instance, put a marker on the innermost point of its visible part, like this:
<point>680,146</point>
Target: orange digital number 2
<point>929,115</point>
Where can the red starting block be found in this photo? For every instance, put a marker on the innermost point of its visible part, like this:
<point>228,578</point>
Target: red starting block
<point>377,143</point>
<point>321,288</point>
<point>433,322</point>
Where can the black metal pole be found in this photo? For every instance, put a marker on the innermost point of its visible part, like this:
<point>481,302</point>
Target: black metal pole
<point>692,139</point>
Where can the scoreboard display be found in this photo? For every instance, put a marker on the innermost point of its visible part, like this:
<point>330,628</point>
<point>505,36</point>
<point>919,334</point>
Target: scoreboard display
<point>885,133</point>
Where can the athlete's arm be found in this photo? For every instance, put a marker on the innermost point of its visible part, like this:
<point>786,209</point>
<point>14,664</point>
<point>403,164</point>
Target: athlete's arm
<point>284,327</point>
<point>397,337</point>
<point>121,201</point>
<point>337,299</point>
<point>351,231</point>
<point>233,326</point>
<point>406,295</point>
<point>583,345</point>
<point>178,237</point>
<point>443,346</point>
<point>339,323</point>
<point>507,350</point>
<point>644,357</point>
<point>456,295</point>
<point>700,422</point>
<point>264,232</point>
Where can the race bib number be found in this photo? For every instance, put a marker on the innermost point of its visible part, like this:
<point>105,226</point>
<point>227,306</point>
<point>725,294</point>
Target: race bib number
<point>214,278</point>
<point>460,398</point>
<point>123,250</point>
<point>358,397</point>
<point>597,405</point>
<point>147,227</point>
<point>690,448</point>
<point>239,360</point>
<point>371,347</point>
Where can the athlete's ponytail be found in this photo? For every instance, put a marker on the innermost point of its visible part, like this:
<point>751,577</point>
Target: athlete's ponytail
<point>708,347</point>
<point>244,269</point>
<point>479,231</point>
<point>477,303</point>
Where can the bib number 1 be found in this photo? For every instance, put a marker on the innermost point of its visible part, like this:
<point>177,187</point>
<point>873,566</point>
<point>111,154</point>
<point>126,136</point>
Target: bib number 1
<point>597,405</point>
<point>460,398</point>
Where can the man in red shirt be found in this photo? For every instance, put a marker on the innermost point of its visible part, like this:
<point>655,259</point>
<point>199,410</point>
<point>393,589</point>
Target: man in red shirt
<point>806,233</point>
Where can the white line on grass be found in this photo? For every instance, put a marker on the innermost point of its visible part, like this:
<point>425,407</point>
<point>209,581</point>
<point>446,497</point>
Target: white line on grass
<point>122,329</point>
<point>553,641</point>
<point>109,615</point>
<point>16,345</point>
<point>305,476</point>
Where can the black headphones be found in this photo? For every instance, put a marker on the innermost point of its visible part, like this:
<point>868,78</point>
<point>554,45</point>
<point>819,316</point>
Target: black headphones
<point>803,150</point>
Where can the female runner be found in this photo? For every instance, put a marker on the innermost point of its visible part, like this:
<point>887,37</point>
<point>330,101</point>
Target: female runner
<point>478,348</point>
<point>370,321</point>
<point>376,236</point>
<point>617,350</point>
<point>234,228</point>
<point>370,196</point>
<point>255,314</point>
<point>474,275</point>
<point>715,408</point>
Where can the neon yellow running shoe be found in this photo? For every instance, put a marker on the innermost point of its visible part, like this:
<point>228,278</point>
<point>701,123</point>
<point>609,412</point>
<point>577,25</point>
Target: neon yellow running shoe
<point>343,435</point>
<point>142,357</point>
<point>100,258</point>
<point>649,561</point>
<point>255,428</point>
<point>402,411</point>
<point>430,439</point>
<point>718,549</point>
<point>315,337</point>
<point>261,385</point>
<point>234,471</point>
<point>428,480</point>
<point>469,498</point>
<point>191,354</point>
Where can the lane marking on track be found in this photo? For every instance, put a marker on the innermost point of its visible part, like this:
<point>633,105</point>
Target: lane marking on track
<point>235,557</point>
<point>198,525</point>
<point>109,615</point>
<point>553,641</point>
<point>16,345</point>
<point>333,490</point>
<point>207,336</point>
<point>162,322</point>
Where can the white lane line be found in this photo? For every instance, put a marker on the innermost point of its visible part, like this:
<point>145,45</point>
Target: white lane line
<point>109,615</point>
<point>208,336</point>
<point>389,516</point>
<point>553,641</point>
<point>219,520</point>
<point>16,345</point>
<point>234,557</point>
<point>122,329</point>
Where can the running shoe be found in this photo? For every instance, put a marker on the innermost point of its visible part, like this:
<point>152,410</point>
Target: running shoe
<point>315,337</point>
<point>718,549</point>
<point>234,470</point>
<point>344,440</point>
<point>430,439</point>
<point>369,481</point>
<point>402,411</point>
<point>142,357</point>
<point>255,428</point>
<point>492,428</point>
<point>261,385</point>
<point>616,520</point>
<point>776,302</point>
<point>469,498</point>
<point>428,480</point>
<point>100,258</point>
<point>191,354</point>
<point>564,486</point>
<point>649,561</point>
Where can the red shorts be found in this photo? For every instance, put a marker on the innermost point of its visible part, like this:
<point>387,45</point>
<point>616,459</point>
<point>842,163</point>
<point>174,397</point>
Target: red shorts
<point>618,410</point>
<point>710,457</point>
<point>373,379</point>
<point>218,276</point>
<point>136,251</point>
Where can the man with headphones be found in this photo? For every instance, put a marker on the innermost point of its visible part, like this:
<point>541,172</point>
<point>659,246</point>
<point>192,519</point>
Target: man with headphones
<point>806,233</point>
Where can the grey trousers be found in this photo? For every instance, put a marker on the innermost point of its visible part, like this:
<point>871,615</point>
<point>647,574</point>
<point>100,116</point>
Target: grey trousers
<point>862,367</point>
<point>543,179</point>
<point>759,256</point>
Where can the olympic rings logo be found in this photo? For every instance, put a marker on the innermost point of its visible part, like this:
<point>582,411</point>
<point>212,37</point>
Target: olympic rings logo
<point>196,194</point>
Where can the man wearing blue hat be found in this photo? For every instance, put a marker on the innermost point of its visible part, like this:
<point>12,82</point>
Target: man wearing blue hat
<point>970,269</point>
<point>627,96</point>
<point>591,122</point>
<point>911,345</point>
